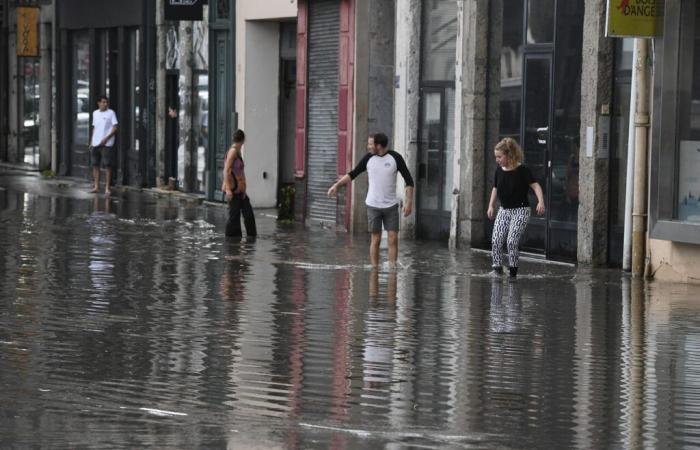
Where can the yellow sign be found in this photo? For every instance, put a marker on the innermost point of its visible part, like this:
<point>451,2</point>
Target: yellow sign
<point>635,18</point>
<point>27,31</point>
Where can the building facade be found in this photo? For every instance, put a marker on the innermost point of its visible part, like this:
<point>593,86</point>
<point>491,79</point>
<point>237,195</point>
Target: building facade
<point>541,72</point>
<point>468,73</point>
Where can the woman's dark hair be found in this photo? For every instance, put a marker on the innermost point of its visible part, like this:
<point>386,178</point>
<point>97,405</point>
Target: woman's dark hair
<point>102,97</point>
<point>381,139</point>
<point>238,136</point>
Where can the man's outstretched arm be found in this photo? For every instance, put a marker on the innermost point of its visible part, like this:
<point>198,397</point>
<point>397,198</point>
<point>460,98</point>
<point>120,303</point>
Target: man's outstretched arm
<point>333,191</point>
<point>345,179</point>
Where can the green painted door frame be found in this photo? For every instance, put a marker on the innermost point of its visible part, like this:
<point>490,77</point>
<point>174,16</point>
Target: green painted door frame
<point>222,90</point>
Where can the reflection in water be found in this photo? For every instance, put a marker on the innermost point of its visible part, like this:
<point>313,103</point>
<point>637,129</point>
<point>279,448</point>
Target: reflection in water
<point>129,322</point>
<point>505,314</point>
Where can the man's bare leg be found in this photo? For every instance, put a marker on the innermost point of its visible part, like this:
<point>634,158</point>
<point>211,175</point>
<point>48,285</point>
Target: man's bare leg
<point>374,249</point>
<point>393,241</point>
<point>96,178</point>
<point>108,180</point>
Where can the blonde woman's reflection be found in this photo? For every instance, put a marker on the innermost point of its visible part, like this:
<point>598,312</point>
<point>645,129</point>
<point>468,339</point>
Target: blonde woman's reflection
<point>505,315</point>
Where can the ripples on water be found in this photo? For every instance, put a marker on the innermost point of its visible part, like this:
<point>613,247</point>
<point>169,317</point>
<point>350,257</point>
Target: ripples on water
<point>130,322</point>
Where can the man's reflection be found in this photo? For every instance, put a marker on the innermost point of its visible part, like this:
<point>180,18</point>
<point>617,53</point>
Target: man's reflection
<point>390,285</point>
<point>380,324</point>
<point>96,205</point>
<point>505,316</point>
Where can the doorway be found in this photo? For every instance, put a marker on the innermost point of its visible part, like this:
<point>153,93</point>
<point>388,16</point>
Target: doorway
<point>172,125</point>
<point>540,103</point>
<point>287,108</point>
<point>434,195</point>
<point>439,30</point>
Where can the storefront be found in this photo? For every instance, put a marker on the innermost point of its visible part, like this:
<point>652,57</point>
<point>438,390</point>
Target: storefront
<point>324,106</point>
<point>107,48</point>
<point>25,32</point>
<point>674,209</point>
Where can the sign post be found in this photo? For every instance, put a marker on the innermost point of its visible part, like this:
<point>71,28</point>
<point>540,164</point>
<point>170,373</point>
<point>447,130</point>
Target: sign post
<point>634,18</point>
<point>27,31</point>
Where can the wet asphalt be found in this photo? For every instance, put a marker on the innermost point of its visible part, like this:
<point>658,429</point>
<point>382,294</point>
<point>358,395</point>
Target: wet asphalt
<point>129,321</point>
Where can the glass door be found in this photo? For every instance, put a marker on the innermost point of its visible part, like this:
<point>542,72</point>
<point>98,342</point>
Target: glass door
<point>80,157</point>
<point>29,137</point>
<point>434,178</point>
<point>536,126</point>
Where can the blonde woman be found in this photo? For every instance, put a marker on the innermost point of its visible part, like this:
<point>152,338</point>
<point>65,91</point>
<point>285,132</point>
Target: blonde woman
<point>511,185</point>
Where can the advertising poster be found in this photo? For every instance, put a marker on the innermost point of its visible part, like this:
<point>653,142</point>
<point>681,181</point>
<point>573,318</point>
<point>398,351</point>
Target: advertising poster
<point>689,182</point>
<point>27,31</point>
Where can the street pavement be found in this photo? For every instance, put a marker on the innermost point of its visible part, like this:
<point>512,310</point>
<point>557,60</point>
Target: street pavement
<point>130,321</point>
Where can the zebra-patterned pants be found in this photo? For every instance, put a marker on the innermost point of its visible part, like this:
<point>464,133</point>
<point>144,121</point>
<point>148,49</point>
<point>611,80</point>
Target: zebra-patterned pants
<point>509,227</point>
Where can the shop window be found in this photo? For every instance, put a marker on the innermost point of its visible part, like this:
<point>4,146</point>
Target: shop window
<point>674,174</point>
<point>222,9</point>
<point>201,126</point>
<point>81,89</point>
<point>688,195</point>
<point>29,137</point>
<point>540,21</point>
<point>511,70</point>
<point>439,40</point>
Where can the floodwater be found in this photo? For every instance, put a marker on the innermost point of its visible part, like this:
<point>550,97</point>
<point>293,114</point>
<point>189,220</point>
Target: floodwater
<point>130,322</point>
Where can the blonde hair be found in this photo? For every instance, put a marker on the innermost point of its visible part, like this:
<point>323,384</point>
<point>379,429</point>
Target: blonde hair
<point>511,150</point>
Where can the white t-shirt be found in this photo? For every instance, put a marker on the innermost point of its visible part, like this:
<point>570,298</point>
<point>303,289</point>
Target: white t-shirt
<point>103,121</point>
<point>382,171</point>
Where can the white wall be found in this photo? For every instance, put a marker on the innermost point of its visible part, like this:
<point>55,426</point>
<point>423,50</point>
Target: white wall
<point>672,261</point>
<point>257,91</point>
<point>267,9</point>
<point>260,111</point>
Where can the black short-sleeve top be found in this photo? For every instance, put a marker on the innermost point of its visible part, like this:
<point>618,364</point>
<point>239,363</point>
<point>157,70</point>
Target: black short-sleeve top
<point>512,186</point>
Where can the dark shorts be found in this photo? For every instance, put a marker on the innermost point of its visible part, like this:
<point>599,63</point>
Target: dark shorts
<point>387,216</point>
<point>102,155</point>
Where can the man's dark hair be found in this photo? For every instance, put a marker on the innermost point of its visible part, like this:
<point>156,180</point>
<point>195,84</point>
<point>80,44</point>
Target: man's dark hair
<point>381,139</point>
<point>238,136</point>
<point>102,97</point>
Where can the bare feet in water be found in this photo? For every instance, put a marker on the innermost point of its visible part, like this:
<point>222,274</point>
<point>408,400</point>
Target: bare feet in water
<point>107,192</point>
<point>93,191</point>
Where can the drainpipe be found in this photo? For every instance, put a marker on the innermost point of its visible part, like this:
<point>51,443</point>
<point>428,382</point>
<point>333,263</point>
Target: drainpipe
<point>629,185</point>
<point>641,124</point>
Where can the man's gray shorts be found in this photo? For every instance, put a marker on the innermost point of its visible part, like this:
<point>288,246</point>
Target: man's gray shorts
<point>387,216</point>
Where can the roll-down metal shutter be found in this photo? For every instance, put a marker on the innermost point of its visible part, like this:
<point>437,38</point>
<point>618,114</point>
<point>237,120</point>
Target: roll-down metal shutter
<point>322,137</point>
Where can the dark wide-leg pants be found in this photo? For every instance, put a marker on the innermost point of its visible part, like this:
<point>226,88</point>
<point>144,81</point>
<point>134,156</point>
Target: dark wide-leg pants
<point>240,204</point>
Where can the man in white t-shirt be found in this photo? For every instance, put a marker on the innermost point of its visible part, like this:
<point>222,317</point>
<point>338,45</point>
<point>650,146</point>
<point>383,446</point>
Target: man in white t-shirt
<point>382,165</point>
<point>102,132</point>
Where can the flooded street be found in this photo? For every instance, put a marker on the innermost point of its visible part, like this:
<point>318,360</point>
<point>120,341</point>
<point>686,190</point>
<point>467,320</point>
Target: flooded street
<point>131,322</point>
